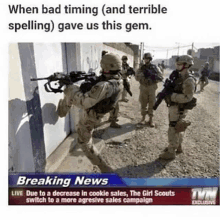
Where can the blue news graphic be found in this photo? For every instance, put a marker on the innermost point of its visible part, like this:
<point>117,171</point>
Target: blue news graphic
<point>103,180</point>
<point>174,182</point>
<point>65,180</point>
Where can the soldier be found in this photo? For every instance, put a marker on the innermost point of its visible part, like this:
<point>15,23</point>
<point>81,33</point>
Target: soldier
<point>179,101</point>
<point>101,99</point>
<point>203,80</point>
<point>148,87</point>
<point>162,66</point>
<point>126,69</point>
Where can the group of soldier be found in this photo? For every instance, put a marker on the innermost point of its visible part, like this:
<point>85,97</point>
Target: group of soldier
<point>104,98</point>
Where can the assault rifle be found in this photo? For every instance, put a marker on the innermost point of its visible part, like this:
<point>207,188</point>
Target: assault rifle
<point>68,79</point>
<point>152,75</point>
<point>167,90</point>
<point>130,71</point>
<point>90,79</point>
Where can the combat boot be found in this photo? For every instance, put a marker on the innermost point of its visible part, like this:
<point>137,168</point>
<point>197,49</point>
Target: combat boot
<point>179,149</point>
<point>63,108</point>
<point>111,119</point>
<point>168,155</point>
<point>115,125</point>
<point>151,122</point>
<point>142,120</point>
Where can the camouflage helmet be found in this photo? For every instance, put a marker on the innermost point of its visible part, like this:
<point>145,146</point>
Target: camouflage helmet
<point>124,58</point>
<point>185,59</point>
<point>148,55</point>
<point>110,62</point>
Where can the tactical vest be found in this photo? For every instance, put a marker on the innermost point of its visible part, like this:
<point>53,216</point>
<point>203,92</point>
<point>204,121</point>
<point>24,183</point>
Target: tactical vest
<point>179,84</point>
<point>151,67</point>
<point>205,72</point>
<point>108,104</point>
<point>179,89</point>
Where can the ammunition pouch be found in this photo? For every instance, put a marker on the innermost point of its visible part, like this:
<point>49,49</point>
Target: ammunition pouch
<point>190,105</point>
<point>182,125</point>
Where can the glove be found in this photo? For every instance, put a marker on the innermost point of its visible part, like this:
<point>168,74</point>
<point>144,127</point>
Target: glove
<point>182,125</point>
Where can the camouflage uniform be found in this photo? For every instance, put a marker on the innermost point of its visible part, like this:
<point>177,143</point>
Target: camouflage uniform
<point>111,87</point>
<point>183,93</point>
<point>148,89</point>
<point>203,81</point>
<point>125,67</point>
<point>162,67</point>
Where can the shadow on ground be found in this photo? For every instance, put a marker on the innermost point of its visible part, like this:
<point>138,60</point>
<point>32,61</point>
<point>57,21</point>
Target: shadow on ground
<point>143,170</point>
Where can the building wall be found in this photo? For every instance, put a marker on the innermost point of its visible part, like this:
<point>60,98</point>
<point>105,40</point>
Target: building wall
<point>216,67</point>
<point>34,127</point>
<point>123,47</point>
<point>20,151</point>
<point>49,59</point>
<point>91,56</point>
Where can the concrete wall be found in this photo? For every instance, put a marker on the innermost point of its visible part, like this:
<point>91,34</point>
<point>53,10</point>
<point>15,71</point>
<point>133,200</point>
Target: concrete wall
<point>20,150</point>
<point>34,127</point>
<point>91,56</point>
<point>216,67</point>
<point>49,59</point>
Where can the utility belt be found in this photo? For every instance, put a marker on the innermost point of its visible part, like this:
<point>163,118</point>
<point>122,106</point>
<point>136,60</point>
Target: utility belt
<point>185,106</point>
<point>148,82</point>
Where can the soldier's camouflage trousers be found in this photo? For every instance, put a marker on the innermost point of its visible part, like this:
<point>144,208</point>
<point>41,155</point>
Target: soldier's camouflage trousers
<point>175,138</point>
<point>114,113</point>
<point>88,121</point>
<point>204,83</point>
<point>85,127</point>
<point>147,99</point>
<point>124,92</point>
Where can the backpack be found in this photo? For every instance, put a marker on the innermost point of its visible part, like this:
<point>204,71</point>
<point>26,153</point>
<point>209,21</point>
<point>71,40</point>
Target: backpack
<point>107,104</point>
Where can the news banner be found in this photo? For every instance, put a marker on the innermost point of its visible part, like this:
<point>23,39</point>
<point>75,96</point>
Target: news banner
<point>110,189</point>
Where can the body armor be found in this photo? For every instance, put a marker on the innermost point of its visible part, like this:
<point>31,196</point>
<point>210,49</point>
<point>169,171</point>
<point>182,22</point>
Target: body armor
<point>107,104</point>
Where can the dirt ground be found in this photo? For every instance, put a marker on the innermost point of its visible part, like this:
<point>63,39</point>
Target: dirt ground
<point>139,155</point>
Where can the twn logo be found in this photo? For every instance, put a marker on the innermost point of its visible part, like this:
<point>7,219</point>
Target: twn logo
<point>204,196</point>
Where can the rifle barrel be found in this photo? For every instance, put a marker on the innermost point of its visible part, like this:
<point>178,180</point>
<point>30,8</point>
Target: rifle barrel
<point>35,79</point>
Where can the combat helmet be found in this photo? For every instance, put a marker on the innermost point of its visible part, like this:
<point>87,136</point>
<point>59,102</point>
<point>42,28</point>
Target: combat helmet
<point>124,58</point>
<point>185,59</point>
<point>148,55</point>
<point>110,62</point>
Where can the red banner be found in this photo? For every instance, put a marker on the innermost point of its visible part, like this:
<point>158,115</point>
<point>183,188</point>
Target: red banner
<point>108,196</point>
